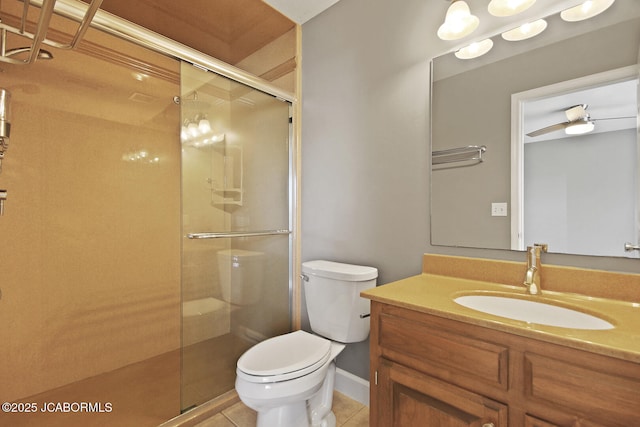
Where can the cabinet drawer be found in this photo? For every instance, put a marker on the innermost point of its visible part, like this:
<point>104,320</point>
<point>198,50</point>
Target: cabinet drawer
<point>597,392</point>
<point>457,358</point>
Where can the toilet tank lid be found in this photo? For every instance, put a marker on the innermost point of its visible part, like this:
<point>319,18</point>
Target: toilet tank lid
<point>339,271</point>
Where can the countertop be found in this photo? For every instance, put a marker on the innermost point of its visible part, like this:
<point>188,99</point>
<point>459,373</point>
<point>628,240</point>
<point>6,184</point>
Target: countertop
<point>435,294</point>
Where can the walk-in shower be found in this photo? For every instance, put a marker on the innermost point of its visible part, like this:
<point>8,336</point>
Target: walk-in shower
<point>235,221</point>
<point>140,255</point>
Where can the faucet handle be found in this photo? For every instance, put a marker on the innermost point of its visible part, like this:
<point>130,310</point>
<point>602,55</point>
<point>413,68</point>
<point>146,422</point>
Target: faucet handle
<point>543,246</point>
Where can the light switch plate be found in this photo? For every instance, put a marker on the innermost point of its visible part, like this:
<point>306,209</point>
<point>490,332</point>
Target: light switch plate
<point>499,209</point>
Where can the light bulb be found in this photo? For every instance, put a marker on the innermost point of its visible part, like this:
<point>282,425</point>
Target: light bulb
<point>475,49</point>
<point>586,10</point>
<point>579,127</point>
<point>509,7</point>
<point>525,31</point>
<point>192,129</point>
<point>459,22</point>
<point>204,126</point>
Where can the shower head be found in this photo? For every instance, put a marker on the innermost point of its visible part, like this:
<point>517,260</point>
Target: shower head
<point>42,53</point>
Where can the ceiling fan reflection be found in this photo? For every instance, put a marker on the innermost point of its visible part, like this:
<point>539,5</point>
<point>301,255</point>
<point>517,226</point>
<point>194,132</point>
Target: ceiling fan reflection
<point>578,122</point>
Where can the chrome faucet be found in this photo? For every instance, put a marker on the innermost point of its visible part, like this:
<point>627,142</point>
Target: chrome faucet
<point>532,276</point>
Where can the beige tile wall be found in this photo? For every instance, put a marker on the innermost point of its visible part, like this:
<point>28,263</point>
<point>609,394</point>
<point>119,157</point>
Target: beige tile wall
<point>90,251</point>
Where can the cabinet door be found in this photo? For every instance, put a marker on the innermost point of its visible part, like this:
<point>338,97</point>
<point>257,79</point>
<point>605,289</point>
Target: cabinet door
<point>530,421</point>
<point>408,398</point>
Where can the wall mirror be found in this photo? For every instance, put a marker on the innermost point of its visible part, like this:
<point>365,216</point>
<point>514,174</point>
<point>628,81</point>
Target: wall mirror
<point>578,193</point>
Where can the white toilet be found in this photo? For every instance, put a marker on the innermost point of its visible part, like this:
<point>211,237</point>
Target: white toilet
<point>289,379</point>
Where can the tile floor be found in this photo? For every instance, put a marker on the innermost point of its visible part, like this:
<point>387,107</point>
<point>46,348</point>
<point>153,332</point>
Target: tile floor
<point>349,413</point>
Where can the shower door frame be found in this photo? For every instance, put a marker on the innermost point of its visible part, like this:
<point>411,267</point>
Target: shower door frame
<point>121,28</point>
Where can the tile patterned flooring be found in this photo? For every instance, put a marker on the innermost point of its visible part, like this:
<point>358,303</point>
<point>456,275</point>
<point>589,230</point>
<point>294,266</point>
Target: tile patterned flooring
<point>349,413</point>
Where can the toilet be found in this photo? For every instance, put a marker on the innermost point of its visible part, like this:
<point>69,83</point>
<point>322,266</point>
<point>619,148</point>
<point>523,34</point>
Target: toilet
<point>289,379</point>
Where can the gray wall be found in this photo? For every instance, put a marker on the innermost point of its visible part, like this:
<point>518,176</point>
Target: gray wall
<point>365,146</point>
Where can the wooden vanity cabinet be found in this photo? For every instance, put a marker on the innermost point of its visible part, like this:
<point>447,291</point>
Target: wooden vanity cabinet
<point>431,371</point>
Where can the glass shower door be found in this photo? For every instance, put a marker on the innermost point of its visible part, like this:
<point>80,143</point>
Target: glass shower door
<point>236,268</point>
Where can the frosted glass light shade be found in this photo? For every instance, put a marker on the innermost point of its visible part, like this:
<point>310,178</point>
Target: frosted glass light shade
<point>586,10</point>
<point>459,22</point>
<point>525,31</point>
<point>192,130</point>
<point>509,7</point>
<point>475,49</point>
<point>204,126</point>
<point>579,127</point>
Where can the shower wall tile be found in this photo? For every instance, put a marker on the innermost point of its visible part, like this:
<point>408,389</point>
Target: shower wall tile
<point>91,235</point>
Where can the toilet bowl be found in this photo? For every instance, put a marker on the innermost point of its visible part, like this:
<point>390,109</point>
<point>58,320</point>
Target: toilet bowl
<point>289,379</point>
<point>281,374</point>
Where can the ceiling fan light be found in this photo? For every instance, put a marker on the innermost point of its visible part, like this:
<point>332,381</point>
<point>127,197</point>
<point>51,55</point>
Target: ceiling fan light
<point>586,10</point>
<point>579,127</point>
<point>503,8</point>
<point>475,49</point>
<point>525,31</point>
<point>459,22</point>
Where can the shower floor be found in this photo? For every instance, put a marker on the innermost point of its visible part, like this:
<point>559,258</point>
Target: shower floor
<point>209,368</point>
<point>143,394</point>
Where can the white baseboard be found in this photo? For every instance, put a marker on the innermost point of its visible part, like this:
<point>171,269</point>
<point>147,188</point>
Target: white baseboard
<point>352,386</point>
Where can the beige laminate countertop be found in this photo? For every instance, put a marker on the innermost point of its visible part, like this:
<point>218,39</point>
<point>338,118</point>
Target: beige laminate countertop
<point>435,294</point>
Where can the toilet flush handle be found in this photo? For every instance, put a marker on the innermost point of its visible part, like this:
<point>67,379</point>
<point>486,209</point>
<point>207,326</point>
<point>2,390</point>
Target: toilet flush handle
<point>304,277</point>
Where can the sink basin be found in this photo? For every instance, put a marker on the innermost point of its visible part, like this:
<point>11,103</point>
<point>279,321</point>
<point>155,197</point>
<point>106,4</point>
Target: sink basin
<point>533,312</point>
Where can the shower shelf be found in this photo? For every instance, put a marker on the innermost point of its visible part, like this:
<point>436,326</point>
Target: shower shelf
<point>227,197</point>
<point>230,196</point>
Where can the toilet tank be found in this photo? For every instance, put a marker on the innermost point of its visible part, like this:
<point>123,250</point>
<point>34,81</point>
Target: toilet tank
<point>332,292</point>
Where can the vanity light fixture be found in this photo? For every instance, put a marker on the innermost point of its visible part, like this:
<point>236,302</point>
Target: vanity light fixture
<point>509,7</point>
<point>586,10</point>
<point>459,22</point>
<point>579,127</point>
<point>525,31</point>
<point>475,49</point>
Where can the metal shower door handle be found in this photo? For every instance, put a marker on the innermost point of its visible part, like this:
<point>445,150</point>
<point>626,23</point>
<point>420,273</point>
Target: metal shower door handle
<point>3,197</point>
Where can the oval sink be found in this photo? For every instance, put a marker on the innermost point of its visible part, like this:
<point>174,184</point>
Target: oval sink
<point>532,312</point>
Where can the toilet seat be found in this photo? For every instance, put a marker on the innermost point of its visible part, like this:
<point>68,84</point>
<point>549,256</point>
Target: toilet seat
<point>284,357</point>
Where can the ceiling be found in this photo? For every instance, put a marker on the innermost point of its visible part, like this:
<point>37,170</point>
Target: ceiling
<point>300,11</point>
<point>229,30</point>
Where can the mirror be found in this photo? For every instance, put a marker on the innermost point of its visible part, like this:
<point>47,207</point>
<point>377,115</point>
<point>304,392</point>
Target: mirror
<point>518,88</point>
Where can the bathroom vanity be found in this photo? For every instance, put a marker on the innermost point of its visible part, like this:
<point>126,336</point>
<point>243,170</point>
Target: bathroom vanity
<point>435,362</point>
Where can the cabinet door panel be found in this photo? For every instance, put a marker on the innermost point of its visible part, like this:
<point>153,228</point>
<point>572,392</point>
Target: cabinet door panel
<point>593,394</point>
<point>459,359</point>
<point>530,421</point>
<point>418,400</point>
